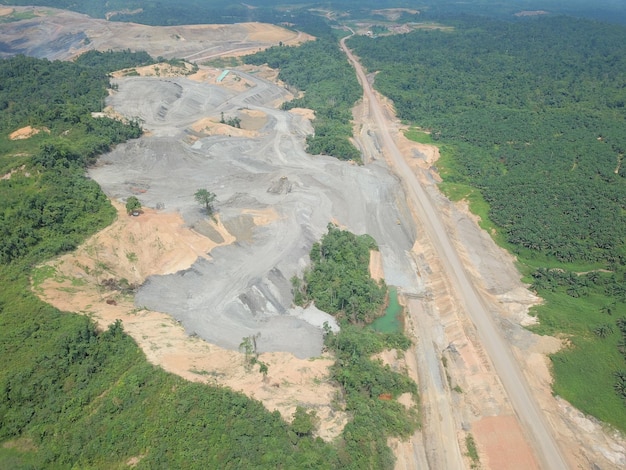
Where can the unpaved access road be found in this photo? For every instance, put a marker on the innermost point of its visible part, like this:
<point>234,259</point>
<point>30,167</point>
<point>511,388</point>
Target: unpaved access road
<point>274,201</point>
<point>499,353</point>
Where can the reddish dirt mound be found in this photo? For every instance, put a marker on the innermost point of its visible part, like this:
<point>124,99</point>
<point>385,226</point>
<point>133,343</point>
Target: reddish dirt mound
<point>502,445</point>
<point>27,132</point>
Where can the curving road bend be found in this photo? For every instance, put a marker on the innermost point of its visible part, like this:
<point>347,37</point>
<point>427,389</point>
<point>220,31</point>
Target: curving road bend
<point>509,372</point>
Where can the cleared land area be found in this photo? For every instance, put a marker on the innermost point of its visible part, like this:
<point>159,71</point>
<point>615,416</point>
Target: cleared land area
<point>227,279</point>
<point>273,202</point>
<point>59,34</point>
<point>274,199</point>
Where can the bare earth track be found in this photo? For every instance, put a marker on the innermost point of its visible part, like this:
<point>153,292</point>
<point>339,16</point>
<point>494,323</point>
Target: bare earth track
<point>472,307</point>
<point>215,282</point>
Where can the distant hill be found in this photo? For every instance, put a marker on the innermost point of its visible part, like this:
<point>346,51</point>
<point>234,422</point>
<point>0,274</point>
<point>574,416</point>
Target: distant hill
<point>175,12</point>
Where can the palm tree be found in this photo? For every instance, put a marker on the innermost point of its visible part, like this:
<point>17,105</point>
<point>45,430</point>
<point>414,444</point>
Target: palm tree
<point>604,330</point>
<point>608,308</point>
<point>620,384</point>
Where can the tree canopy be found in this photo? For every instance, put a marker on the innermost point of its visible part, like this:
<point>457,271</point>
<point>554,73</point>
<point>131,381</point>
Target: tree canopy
<point>530,117</point>
<point>536,112</point>
<point>339,281</point>
<point>133,205</point>
<point>206,198</point>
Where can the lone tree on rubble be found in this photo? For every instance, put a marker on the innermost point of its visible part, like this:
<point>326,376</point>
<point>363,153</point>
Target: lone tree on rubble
<point>133,206</point>
<point>206,198</point>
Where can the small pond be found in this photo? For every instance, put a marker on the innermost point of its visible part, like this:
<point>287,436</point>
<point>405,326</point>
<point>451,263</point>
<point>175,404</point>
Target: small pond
<point>391,321</point>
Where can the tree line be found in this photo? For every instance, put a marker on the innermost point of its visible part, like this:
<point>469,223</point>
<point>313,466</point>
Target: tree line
<point>537,112</point>
<point>532,114</point>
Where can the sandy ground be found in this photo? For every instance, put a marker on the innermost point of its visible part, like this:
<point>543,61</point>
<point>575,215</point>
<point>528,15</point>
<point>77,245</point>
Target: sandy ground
<point>232,278</point>
<point>27,132</point>
<point>376,268</point>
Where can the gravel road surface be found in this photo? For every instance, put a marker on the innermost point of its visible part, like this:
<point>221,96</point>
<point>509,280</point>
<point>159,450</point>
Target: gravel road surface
<point>476,308</point>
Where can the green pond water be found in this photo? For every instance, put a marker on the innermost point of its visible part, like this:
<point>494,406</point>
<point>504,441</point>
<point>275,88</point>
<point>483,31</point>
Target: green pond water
<point>390,321</point>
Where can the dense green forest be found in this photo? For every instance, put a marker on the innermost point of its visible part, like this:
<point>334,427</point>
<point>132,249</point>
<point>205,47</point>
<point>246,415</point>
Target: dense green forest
<point>339,283</point>
<point>49,209</point>
<point>173,12</point>
<point>538,118</point>
<point>169,13</point>
<point>531,120</point>
<point>604,10</point>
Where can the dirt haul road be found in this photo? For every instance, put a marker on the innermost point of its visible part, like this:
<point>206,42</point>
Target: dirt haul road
<point>274,201</point>
<point>499,353</point>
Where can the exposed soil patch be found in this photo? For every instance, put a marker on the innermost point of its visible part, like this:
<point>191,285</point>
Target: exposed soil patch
<point>27,132</point>
<point>58,34</point>
<point>134,248</point>
<point>251,121</point>
<point>209,126</point>
<point>501,445</point>
<point>392,14</point>
<point>531,13</point>
<point>376,266</point>
<point>8,175</point>
<point>162,69</point>
<point>159,243</point>
<point>304,112</point>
